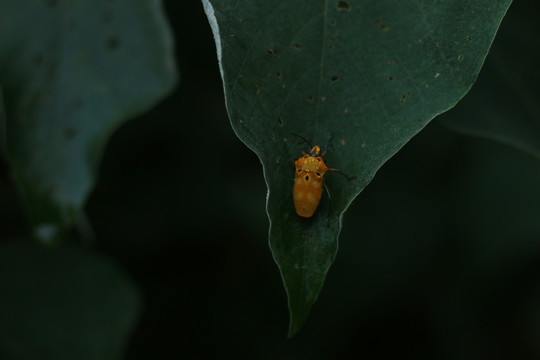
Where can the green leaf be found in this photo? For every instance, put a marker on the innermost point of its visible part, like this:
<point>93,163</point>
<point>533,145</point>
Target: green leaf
<point>63,303</point>
<point>503,104</point>
<point>370,73</point>
<point>72,72</point>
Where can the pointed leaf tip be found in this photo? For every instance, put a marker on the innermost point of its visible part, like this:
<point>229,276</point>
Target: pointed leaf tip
<point>372,74</point>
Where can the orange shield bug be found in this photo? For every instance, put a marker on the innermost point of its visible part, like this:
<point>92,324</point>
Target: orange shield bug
<point>308,182</point>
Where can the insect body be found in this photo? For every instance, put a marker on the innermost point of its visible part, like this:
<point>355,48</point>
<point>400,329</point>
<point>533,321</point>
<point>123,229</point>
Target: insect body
<point>308,182</point>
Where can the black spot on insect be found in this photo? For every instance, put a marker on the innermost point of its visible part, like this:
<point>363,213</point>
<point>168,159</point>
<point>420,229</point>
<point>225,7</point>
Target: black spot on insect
<point>299,170</point>
<point>318,174</point>
<point>318,159</point>
<point>307,177</point>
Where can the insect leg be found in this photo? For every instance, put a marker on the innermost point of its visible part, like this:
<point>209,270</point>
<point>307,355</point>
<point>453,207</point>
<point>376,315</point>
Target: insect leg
<point>329,205</point>
<point>303,138</point>
<point>352,179</point>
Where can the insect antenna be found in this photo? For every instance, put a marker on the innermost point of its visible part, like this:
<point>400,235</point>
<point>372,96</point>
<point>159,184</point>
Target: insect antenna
<point>328,146</point>
<point>303,138</point>
<point>351,179</point>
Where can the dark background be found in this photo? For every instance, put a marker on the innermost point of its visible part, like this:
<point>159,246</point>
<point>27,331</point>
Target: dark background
<point>439,256</point>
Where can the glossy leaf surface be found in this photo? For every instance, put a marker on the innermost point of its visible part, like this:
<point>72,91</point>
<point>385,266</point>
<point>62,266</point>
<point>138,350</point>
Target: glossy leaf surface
<point>367,74</point>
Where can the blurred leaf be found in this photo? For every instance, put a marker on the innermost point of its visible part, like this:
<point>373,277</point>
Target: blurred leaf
<point>72,72</point>
<point>63,303</point>
<point>2,125</point>
<point>373,74</point>
<point>503,105</point>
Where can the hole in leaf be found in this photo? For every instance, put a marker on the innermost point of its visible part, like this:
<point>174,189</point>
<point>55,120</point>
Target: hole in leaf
<point>333,22</point>
<point>280,122</point>
<point>272,52</point>
<point>438,42</point>
<point>469,38</point>
<point>112,43</point>
<point>343,6</point>
<point>310,98</point>
<point>390,78</point>
<point>404,97</point>
<point>460,57</point>
<point>383,26</point>
<point>334,78</point>
<point>296,46</point>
